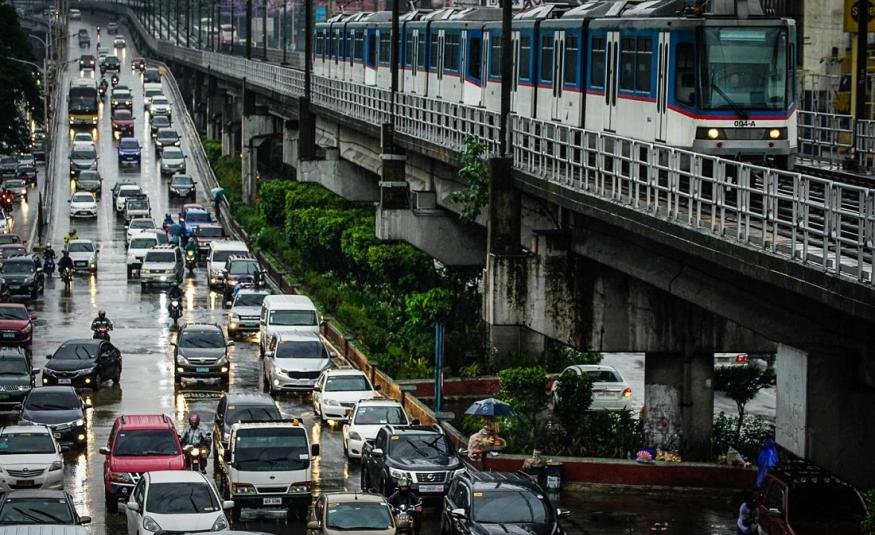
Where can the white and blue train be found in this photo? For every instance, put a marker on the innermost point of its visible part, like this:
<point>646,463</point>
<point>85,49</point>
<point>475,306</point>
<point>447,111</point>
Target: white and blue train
<point>667,71</point>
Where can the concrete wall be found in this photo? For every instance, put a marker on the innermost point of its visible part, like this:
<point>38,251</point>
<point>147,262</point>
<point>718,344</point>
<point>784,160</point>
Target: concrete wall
<point>822,31</point>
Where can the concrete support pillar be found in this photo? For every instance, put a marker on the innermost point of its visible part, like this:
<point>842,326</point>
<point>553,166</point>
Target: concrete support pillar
<point>290,143</point>
<point>824,411</point>
<point>306,131</point>
<point>679,402</point>
<point>338,175</point>
<point>255,129</point>
<point>215,101</point>
<point>199,102</point>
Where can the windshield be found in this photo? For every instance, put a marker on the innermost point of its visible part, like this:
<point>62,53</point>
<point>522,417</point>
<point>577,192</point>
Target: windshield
<point>143,243</point>
<point>15,183</point>
<point>244,268</point>
<point>292,317</point>
<point>197,217</point>
<point>142,223</point>
<point>76,352</point>
<point>137,204</point>
<point>123,93</point>
<point>161,257</point>
<point>222,256</point>
<point>57,400</point>
<point>181,181</point>
<point>152,92</point>
<point>80,247</point>
<point>181,499</point>
<point>36,511</point>
<point>88,175</point>
<point>358,516</point>
<point>122,114</point>
<point>129,191</point>
<point>172,153</point>
<point>14,366</point>
<point>129,144</point>
<point>255,414</point>
<point>419,446</point>
<point>83,197</point>
<point>202,339</point>
<point>139,442</point>
<point>249,300</point>
<point>508,507</point>
<point>13,313</point>
<point>16,443</point>
<point>346,383</point>
<point>160,120</point>
<point>379,415</point>
<point>301,350</point>
<point>83,154</point>
<point>829,504</point>
<point>602,376</point>
<point>8,252</point>
<point>159,100</point>
<point>168,134</point>
<point>745,68</point>
<point>271,449</point>
<point>18,267</point>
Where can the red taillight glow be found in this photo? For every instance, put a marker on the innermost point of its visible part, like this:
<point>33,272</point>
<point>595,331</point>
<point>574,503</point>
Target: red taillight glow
<point>627,392</point>
<point>741,359</point>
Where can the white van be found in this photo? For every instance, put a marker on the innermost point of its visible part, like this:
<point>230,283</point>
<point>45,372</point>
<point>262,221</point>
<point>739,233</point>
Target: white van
<point>272,461</point>
<point>221,251</point>
<point>286,314</point>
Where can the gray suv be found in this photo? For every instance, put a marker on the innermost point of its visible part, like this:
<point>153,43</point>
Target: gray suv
<point>201,352</point>
<point>83,157</point>
<point>162,265</point>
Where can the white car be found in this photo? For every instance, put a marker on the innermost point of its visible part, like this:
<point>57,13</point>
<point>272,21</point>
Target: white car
<point>83,137</point>
<point>183,501</point>
<point>83,204</point>
<point>243,317</point>
<point>609,390</point>
<point>138,225</point>
<point>338,390</point>
<point>30,457</point>
<point>366,419</point>
<point>119,42</point>
<point>138,246</point>
<point>159,105</point>
<point>150,91</point>
<point>125,191</point>
<point>7,223</point>
<point>293,361</point>
<point>172,161</point>
<point>84,255</point>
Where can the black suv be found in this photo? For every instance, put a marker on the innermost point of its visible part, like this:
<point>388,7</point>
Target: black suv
<point>236,268</point>
<point>489,502</point>
<point>201,352</point>
<point>424,453</point>
<point>24,275</point>
<point>83,363</point>
<point>235,408</point>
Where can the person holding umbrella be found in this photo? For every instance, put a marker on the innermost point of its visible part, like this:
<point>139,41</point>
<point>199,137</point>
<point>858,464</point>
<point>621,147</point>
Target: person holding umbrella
<point>487,438</point>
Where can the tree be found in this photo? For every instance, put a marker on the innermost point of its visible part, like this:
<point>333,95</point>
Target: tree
<point>18,85</point>
<point>742,384</point>
<point>525,390</point>
<point>869,521</point>
<point>573,399</point>
<point>474,173</point>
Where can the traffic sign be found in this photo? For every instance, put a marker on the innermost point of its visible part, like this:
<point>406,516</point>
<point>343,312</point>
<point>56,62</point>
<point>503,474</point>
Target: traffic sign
<point>852,14</point>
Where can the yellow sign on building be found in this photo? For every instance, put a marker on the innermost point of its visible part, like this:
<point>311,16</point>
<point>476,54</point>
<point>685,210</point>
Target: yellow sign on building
<point>851,14</point>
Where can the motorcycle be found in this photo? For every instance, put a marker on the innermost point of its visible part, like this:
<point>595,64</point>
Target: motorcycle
<point>49,266</point>
<point>404,519</point>
<point>196,456</point>
<point>175,310</point>
<point>103,71</point>
<point>114,80</point>
<point>101,332</point>
<point>190,260</point>
<point>67,276</point>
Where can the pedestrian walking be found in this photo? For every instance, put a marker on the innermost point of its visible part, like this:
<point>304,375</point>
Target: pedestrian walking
<point>747,515</point>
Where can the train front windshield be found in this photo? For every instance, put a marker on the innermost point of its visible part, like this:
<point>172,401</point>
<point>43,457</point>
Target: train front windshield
<point>745,69</point>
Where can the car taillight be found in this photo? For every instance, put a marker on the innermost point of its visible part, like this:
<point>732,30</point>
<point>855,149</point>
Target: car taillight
<point>742,359</point>
<point>627,392</point>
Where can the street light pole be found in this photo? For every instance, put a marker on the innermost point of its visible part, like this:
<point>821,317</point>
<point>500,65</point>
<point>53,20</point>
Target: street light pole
<point>285,30</point>
<point>45,93</point>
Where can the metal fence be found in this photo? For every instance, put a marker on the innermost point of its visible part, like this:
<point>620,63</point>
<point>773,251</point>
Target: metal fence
<point>814,221</point>
<point>825,138</point>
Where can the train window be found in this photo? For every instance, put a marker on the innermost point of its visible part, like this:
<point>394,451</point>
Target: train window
<point>525,62</point>
<point>385,47</point>
<point>451,51</point>
<point>685,74</point>
<point>420,51</point>
<point>372,49</point>
<point>434,52</point>
<point>408,50</point>
<point>475,57</point>
<point>359,46</point>
<point>597,68</point>
<point>547,58</point>
<point>571,58</point>
<point>644,64</point>
<point>318,44</point>
<point>495,56</point>
<point>627,63</point>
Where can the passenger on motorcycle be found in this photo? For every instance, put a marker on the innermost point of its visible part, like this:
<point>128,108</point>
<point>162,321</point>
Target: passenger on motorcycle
<point>403,496</point>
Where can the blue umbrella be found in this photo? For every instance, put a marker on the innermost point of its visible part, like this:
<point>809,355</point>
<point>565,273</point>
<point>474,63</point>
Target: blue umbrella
<point>490,407</point>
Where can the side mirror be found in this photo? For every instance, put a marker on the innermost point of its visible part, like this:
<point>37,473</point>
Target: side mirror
<point>104,450</point>
<point>773,511</point>
<point>34,371</point>
<point>87,406</point>
<point>313,524</point>
<point>33,317</point>
<point>268,354</point>
<point>462,452</point>
<point>332,354</point>
<point>563,513</point>
<point>458,513</point>
<point>314,450</point>
<point>230,343</point>
<point>172,344</point>
<point>48,357</point>
<point>228,504</point>
<point>377,452</point>
<point>84,519</point>
<point>133,506</point>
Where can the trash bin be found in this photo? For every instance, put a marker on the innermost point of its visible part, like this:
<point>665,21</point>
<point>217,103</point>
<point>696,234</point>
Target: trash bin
<point>554,477</point>
<point>537,473</point>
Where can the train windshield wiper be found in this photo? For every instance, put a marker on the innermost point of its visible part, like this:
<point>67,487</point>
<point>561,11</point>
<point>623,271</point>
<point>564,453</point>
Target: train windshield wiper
<point>741,113</point>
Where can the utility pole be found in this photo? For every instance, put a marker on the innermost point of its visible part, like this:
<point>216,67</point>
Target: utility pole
<point>248,29</point>
<point>393,56</point>
<point>862,57</point>
<point>506,75</point>
<point>264,32</point>
<point>285,30</point>
<point>176,18</point>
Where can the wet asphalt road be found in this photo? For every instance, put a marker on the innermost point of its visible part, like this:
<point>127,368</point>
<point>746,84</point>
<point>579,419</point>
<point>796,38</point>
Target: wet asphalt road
<point>142,332</point>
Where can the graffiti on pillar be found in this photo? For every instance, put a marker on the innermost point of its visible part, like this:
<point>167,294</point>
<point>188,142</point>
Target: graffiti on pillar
<point>662,416</point>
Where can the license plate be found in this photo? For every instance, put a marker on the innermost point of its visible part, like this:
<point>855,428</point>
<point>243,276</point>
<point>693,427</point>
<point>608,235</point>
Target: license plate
<point>202,370</point>
<point>25,483</point>
<point>272,501</point>
<point>56,435</point>
<point>65,381</point>
<point>8,335</point>
<point>431,488</point>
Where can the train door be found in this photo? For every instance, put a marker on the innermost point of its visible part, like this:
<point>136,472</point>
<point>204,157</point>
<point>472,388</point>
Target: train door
<point>472,91</point>
<point>420,86</point>
<point>612,79</point>
<point>662,85</point>
<point>408,64</point>
<point>371,44</point>
<point>556,107</point>
<point>436,68</point>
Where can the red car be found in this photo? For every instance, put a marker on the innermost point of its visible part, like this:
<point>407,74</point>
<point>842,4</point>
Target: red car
<point>16,325</point>
<point>138,444</point>
<point>208,233</point>
<point>9,250</point>
<point>123,123</point>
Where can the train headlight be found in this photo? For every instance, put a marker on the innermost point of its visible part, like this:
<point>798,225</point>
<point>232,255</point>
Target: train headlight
<point>713,133</point>
<point>775,133</point>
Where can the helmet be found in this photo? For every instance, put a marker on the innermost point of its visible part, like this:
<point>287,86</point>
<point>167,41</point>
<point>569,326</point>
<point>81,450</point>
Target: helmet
<point>404,482</point>
<point>102,314</point>
<point>194,420</point>
<point>65,252</point>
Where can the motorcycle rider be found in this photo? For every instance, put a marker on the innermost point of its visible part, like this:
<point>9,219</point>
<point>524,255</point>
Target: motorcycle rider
<point>103,86</point>
<point>168,220</point>
<point>404,496</point>
<point>191,245</point>
<point>48,252</point>
<point>114,79</point>
<point>197,436</point>
<point>65,262</point>
<point>101,321</point>
<point>175,293</point>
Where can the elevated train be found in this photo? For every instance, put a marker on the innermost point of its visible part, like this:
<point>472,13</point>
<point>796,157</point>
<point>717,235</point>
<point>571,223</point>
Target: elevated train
<point>716,78</point>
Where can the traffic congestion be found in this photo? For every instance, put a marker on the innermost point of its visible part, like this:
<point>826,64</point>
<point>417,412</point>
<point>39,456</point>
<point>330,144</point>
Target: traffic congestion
<point>154,381</point>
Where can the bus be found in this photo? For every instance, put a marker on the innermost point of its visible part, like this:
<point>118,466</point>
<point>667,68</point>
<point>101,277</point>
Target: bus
<point>82,103</point>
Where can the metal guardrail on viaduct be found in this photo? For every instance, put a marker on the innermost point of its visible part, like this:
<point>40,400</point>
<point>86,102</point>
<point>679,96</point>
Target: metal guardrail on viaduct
<point>823,224</point>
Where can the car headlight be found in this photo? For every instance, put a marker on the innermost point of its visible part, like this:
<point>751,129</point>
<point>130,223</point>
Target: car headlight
<point>220,523</point>
<point>460,471</point>
<point>149,524</point>
<point>354,436</point>
<point>222,360</point>
<point>396,474</point>
<point>235,318</point>
<point>176,142</point>
<point>182,360</point>
<point>24,387</point>
<point>23,421</point>
<point>242,488</point>
<point>79,423</point>
<point>332,403</point>
<point>55,466</point>
<point>27,329</point>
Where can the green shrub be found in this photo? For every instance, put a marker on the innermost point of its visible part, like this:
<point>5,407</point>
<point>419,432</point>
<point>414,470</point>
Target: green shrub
<point>573,401</point>
<point>749,440</point>
<point>312,196</point>
<point>400,264</point>
<point>355,242</point>
<point>869,521</point>
<point>213,150</point>
<point>273,200</point>
<point>524,389</point>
